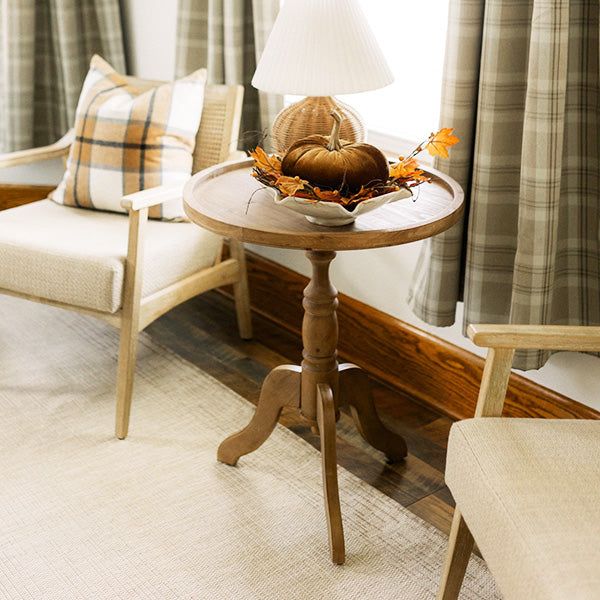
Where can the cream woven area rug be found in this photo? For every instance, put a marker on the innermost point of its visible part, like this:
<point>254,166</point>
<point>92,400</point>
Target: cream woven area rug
<point>83,515</point>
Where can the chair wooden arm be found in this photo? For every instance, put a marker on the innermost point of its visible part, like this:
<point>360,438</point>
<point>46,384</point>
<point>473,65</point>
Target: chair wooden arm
<point>163,193</point>
<point>544,337</point>
<point>152,196</point>
<point>25,157</point>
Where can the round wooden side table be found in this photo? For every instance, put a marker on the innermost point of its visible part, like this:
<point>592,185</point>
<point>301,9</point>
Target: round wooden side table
<point>228,201</point>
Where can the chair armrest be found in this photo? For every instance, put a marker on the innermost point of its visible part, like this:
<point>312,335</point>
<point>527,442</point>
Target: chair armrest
<point>580,338</point>
<point>163,193</point>
<point>152,196</point>
<point>25,157</point>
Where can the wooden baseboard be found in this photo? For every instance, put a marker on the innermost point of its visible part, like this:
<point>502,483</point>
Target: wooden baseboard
<point>12,195</point>
<point>431,370</point>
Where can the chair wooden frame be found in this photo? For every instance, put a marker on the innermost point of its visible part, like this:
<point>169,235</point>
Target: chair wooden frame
<point>502,341</point>
<point>137,312</point>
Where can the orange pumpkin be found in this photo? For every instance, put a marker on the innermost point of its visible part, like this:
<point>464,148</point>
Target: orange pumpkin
<point>326,161</point>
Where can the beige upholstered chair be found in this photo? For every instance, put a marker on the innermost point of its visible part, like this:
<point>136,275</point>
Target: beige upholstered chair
<point>526,490</point>
<point>125,270</point>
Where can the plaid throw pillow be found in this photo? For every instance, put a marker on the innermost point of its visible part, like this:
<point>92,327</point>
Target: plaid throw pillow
<point>129,140</point>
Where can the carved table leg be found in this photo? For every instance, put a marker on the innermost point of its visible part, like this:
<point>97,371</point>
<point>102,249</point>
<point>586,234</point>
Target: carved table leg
<point>318,389</point>
<point>326,420</point>
<point>319,334</point>
<point>280,388</point>
<point>355,393</point>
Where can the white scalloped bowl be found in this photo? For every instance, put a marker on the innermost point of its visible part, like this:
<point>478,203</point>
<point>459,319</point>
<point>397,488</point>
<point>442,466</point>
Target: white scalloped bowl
<point>331,214</point>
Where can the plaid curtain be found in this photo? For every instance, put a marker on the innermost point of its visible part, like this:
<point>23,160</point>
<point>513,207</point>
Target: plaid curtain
<point>45,50</point>
<point>522,89</point>
<point>227,37</point>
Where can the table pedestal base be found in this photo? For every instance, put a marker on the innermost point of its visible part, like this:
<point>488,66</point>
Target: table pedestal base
<point>318,389</point>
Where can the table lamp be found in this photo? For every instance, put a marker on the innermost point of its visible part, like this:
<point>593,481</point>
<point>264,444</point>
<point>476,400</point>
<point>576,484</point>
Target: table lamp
<point>318,48</point>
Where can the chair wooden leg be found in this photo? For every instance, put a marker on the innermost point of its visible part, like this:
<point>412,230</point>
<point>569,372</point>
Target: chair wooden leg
<point>130,319</point>
<point>240,291</point>
<point>125,377</point>
<point>460,546</point>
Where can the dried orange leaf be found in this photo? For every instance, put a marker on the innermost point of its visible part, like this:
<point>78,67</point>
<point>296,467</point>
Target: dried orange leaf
<point>365,193</point>
<point>290,185</point>
<point>404,169</point>
<point>407,170</point>
<point>439,143</point>
<point>328,195</point>
<point>268,164</point>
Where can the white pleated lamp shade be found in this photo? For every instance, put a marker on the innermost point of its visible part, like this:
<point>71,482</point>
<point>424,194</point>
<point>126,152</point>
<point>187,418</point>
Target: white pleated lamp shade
<point>321,48</point>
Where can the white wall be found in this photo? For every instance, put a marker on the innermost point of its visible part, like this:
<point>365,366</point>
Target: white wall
<point>379,277</point>
<point>47,172</point>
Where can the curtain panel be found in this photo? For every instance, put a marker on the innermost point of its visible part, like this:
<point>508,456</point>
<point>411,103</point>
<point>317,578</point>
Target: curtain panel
<point>45,50</point>
<point>227,37</point>
<point>521,87</point>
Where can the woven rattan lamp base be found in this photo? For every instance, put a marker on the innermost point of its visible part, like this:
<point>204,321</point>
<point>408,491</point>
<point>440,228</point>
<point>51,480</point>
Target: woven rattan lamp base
<point>313,115</point>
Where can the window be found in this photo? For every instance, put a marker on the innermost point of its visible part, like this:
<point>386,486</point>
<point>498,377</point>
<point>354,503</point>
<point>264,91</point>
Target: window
<point>412,36</point>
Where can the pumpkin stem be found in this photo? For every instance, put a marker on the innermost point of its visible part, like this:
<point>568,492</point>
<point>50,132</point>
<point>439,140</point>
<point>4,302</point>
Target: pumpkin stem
<point>334,137</point>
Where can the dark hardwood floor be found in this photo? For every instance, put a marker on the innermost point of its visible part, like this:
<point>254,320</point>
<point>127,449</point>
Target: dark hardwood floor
<point>204,332</point>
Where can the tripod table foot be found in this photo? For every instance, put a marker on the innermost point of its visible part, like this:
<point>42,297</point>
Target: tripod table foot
<point>280,388</point>
<point>355,393</point>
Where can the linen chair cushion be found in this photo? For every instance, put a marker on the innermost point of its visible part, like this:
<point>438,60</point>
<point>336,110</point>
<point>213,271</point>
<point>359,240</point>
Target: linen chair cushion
<point>77,257</point>
<point>129,139</point>
<point>529,491</point>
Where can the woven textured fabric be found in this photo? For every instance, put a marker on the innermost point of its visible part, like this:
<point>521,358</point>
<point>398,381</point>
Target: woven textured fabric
<point>155,517</point>
<point>77,256</point>
<point>129,140</point>
<point>521,86</point>
<point>46,49</point>
<point>529,490</point>
<point>228,37</point>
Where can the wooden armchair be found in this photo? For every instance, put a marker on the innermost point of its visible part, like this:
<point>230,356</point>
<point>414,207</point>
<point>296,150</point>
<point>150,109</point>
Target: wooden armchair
<point>526,490</point>
<point>125,270</point>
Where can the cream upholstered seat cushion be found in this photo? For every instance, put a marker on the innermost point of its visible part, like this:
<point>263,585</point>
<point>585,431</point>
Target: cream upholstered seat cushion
<point>529,490</point>
<point>77,256</point>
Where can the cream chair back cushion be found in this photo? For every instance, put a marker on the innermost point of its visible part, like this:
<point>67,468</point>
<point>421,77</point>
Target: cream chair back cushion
<point>219,129</point>
<point>129,139</point>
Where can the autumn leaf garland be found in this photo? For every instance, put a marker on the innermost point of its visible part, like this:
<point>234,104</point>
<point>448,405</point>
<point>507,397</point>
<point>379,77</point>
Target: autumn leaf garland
<point>404,173</point>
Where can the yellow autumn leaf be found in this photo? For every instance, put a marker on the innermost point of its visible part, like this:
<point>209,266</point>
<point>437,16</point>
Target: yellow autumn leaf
<point>439,142</point>
<point>405,169</point>
<point>266,163</point>
<point>290,185</point>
